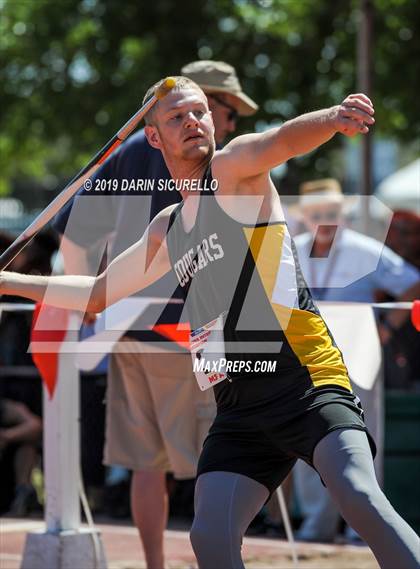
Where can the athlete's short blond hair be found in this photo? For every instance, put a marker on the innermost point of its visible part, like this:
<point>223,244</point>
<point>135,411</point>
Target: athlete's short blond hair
<point>181,82</point>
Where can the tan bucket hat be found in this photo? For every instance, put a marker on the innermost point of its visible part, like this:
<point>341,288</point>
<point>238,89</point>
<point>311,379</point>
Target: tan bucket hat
<point>220,77</point>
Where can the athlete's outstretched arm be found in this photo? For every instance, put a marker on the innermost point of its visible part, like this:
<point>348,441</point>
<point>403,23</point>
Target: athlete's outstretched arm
<point>136,268</point>
<point>252,154</point>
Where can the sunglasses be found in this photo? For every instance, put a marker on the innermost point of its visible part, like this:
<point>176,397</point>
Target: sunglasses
<point>233,114</point>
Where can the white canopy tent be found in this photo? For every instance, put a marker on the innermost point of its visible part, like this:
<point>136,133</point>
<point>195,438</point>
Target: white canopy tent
<point>401,190</point>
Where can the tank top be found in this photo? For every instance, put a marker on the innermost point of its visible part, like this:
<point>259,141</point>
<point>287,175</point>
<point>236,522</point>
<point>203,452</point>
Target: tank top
<point>250,274</point>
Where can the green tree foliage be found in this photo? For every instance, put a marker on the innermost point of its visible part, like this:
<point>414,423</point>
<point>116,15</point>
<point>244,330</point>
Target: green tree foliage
<point>73,71</point>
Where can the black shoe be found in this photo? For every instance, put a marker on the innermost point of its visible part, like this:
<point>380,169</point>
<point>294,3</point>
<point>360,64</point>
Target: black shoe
<point>274,529</point>
<point>117,500</point>
<point>24,502</point>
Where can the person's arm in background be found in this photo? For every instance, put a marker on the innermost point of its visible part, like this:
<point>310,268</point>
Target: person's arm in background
<point>19,423</point>
<point>75,257</point>
<point>401,280</point>
<point>75,261</point>
<point>393,320</point>
<point>88,219</point>
<point>88,223</point>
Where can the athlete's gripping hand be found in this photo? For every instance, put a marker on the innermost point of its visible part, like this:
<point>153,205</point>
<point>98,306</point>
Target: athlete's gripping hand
<point>9,281</point>
<point>354,115</point>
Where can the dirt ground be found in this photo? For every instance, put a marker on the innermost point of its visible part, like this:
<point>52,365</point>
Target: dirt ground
<point>123,550</point>
<point>361,560</point>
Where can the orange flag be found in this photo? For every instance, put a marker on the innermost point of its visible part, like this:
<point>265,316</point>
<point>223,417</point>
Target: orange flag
<point>49,325</point>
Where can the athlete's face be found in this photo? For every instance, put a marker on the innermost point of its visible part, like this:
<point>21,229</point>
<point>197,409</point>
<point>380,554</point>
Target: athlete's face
<point>322,221</point>
<point>183,126</point>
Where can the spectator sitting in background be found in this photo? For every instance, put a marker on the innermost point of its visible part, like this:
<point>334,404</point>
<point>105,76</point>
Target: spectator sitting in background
<point>402,352</point>
<point>404,236</point>
<point>20,401</point>
<point>20,432</point>
<point>342,265</point>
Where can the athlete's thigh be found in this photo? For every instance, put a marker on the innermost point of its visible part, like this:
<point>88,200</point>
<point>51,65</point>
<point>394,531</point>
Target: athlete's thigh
<point>227,499</point>
<point>235,446</point>
<point>225,505</point>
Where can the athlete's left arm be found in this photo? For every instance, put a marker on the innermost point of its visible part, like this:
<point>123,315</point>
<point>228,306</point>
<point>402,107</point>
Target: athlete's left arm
<point>253,154</point>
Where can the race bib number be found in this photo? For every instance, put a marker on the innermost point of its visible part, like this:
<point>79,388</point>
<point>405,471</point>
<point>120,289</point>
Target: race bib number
<point>207,347</point>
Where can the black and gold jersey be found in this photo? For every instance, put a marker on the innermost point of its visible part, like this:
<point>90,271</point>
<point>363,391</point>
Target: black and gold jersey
<point>250,274</point>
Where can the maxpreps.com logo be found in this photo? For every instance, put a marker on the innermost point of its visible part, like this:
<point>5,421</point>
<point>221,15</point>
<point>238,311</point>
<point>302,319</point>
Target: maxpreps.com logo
<point>196,259</point>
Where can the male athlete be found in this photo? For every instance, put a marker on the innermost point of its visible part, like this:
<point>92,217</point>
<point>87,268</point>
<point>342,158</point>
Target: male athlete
<point>233,256</point>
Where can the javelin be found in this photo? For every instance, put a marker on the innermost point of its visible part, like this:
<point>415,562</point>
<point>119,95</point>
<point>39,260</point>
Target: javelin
<point>74,185</point>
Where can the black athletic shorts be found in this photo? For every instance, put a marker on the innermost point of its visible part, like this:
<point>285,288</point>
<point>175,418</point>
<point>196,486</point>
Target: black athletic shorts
<point>264,446</point>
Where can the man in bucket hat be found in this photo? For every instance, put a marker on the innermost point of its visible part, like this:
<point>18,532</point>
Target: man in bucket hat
<point>226,99</point>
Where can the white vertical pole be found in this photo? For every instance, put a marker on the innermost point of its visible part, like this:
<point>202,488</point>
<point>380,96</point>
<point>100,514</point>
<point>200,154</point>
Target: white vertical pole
<point>287,526</point>
<point>64,544</point>
<point>62,443</point>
